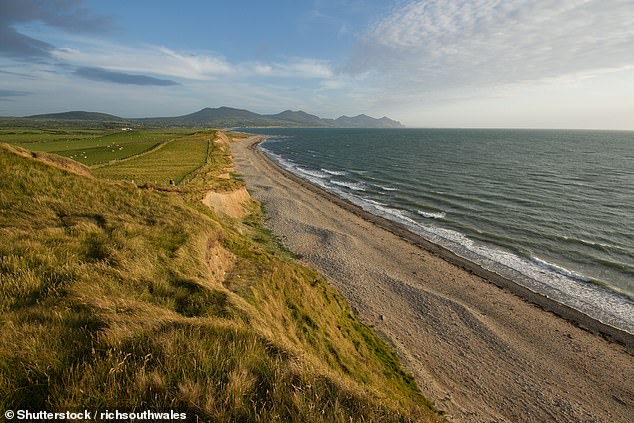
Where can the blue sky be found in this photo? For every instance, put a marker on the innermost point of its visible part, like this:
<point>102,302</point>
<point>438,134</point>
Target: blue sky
<point>438,63</point>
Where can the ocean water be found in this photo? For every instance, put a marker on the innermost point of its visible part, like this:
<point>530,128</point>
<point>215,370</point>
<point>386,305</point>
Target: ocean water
<point>552,210</point>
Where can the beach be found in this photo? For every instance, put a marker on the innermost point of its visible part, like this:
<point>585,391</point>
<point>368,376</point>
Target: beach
<point>479,346</point>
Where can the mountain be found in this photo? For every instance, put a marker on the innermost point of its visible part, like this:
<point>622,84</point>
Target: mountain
<point>219,117</point>
<point>77,115</point>
<point>361,121</point>
<point>299,117</point>
<point>230,117</point>
<point>209,115</point>
<point>365,121</point>
<point>225,117</point>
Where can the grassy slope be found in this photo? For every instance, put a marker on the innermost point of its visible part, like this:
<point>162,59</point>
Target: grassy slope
<point>117,297</point>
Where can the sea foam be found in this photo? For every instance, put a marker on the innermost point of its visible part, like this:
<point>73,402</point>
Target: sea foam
<point>334,172</point>
<point>431,215</point>
<point>355,186</point>
<point>312,172</point>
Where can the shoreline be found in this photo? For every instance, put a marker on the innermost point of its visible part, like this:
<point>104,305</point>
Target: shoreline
<point>564,311</point>
<point>478,351</point>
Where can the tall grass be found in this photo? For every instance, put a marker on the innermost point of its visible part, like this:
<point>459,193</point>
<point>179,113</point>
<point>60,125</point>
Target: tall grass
<point>113,296</point>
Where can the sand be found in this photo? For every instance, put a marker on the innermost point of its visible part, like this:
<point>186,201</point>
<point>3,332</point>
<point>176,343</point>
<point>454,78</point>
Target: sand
<point>478,349</point>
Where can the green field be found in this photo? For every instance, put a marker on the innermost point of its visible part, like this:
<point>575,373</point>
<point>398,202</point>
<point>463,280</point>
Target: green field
<point>51,144</point>
<point>145,156</point>
<point>18,135</point>
<point>174,160</point>
<point>104,154</point>
<point>91,146</point>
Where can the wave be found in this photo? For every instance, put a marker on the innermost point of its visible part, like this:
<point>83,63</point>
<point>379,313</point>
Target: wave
<point>386,188</point>
<point>359,171</point>
<point>391,214</point>
<point>376,203</point>
<point>355,186</point>
<point>277,138</point>
<point>559,269</point>
<point>334,172</point>
<point>432,215</point>
<point>311,172</point>
<point>285,163</point>
<point>594,244</point>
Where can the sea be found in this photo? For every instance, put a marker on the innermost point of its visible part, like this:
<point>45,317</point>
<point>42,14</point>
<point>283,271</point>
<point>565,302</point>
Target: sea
<point>552,210</point>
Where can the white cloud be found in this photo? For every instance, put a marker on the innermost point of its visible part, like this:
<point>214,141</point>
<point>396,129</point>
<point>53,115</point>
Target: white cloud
<point>433,44</point>
<point>158,60</point>
<point>146,60</point>
<point>293,68</point>
<point>198,66</point>
<point>309,68</point>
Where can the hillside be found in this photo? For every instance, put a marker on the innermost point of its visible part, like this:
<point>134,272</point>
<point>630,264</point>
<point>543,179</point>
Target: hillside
<point>120,296</point>
<point>364,121</point>
<point>77,115</point>
<point>226,117</point>
<point>220,117</point>
<point>299,117</point>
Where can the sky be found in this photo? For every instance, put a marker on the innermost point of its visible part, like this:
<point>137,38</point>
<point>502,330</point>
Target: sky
<point>426,63</point>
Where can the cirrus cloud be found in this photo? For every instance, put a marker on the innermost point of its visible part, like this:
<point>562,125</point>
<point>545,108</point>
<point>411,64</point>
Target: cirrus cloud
<point>435,44</point>
<point>157,60</point>
<point>144,60</point>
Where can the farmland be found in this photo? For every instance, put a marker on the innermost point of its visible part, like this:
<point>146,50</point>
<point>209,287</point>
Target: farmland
<point>143,156</point>
<point>173,160</point>
<point>89,146</point>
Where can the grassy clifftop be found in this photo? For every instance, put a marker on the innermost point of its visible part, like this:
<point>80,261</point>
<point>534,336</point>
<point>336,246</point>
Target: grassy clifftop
<point>115,296</point>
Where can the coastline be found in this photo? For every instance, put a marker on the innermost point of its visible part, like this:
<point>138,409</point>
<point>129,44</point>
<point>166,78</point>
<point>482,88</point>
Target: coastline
<point>477,347</point>
<point>562,310</point>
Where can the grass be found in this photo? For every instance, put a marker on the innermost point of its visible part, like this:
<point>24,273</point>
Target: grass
<point>90,146</point>
<point>107,153</point>
<point>115,297</point>
<point>173,161</point>
<point>33,135</point>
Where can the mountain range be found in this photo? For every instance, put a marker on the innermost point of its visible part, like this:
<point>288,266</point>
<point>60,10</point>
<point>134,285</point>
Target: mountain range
<point>223,117</point>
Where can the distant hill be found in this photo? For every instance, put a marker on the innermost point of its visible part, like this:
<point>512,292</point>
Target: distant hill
<point>364,121</point>
<point>220,117</point>
<point>223,117</point>
<point>299,117</point>
<point>77,115</point>
<point>220,113</point>
<point>360,121</point>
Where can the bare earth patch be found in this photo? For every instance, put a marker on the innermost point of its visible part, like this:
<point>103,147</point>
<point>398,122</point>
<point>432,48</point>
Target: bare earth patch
<point>219,260</point>
<point>232,203</point>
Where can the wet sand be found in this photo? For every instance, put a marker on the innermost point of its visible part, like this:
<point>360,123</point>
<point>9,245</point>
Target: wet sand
<point>479,346</point>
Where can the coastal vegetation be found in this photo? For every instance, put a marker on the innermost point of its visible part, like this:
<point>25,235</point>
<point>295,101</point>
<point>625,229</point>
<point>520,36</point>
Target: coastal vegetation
<point>121,290</point>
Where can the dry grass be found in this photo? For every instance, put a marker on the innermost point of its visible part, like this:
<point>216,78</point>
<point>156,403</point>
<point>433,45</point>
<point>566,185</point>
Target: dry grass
<point>118,297</point>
